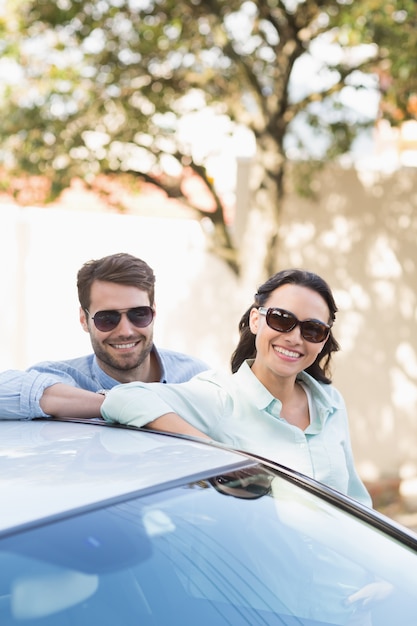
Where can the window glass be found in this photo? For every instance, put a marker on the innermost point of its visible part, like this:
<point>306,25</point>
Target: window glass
<point>245,548</point>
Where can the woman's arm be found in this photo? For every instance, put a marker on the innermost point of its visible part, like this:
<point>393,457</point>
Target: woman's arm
<point>178,408</point>
<point>173,423</point>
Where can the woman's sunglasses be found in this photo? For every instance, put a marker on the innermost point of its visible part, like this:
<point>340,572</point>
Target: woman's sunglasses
<point>140,316</point>
<point>284,322</point>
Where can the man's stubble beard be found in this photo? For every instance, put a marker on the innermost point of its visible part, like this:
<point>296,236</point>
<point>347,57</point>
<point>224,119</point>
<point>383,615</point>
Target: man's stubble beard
<point>122,364</point>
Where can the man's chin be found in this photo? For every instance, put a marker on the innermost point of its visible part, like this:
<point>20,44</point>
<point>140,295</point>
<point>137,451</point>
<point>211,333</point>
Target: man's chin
<point>123,363</point>
<point>126,365</point>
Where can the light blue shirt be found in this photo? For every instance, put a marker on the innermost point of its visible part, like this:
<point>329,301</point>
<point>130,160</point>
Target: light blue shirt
<point>236,409</point>
<point>21,391</point>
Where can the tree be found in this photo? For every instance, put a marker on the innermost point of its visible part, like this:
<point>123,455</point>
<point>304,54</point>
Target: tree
<point>102,86</point>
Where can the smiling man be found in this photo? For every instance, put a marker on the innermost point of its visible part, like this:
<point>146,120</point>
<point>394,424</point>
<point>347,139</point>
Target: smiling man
<point>117,309</point>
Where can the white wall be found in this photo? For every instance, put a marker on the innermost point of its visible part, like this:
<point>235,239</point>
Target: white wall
<point>41,251</point>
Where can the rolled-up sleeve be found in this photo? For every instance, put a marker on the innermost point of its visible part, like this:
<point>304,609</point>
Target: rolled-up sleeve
<point>20,393</point>
<point>134,405</point>
<point>198,401</point>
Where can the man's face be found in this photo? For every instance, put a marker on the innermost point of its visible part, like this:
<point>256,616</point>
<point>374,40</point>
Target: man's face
<point>123,353</point>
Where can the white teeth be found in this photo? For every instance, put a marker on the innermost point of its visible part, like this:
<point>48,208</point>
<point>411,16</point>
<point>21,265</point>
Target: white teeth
<point>293,355</point>
<point>121,346</point>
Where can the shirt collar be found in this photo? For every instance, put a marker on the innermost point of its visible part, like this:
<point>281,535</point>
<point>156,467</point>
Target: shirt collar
<point>320,392</point>
<point>104,380</point>
<point>162,369</point>
<point>252,386</point>
<point>262,398</point>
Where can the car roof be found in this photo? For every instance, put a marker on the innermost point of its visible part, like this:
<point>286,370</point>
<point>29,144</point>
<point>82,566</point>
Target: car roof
<point>50,467</point>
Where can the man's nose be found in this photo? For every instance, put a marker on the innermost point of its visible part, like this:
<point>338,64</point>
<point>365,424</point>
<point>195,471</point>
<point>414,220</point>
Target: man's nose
<point>125,325</point>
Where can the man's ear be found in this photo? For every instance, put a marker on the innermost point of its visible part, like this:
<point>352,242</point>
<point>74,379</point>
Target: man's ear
<point>254,320</point>
<point>83,320</point>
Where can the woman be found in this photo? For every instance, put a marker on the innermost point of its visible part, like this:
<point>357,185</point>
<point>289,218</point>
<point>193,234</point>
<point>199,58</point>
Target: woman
<point>278,402</point>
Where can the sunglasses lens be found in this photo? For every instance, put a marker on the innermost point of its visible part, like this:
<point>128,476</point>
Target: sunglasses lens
<point>314,331</point>
<point>106,320</point>
<point>141,316</point>
<point>284,321</point>
<point>280,320</point>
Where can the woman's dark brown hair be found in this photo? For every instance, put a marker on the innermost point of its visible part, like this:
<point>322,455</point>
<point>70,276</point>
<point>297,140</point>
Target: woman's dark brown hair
<point>246,349</point>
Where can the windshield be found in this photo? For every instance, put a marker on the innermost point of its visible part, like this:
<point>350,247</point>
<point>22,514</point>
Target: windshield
<point>244,548</point>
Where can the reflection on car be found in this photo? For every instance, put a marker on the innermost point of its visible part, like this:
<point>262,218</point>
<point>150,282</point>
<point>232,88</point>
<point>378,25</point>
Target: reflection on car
<point>113,526</point>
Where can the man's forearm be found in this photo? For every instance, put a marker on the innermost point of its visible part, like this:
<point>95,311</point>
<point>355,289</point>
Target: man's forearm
<point>62,400</point>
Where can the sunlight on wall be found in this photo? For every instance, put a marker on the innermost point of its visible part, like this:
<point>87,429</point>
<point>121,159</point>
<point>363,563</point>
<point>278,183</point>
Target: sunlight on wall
<point>404,391</point>
<point>339,236</point>
<point>297,236</point>
<point>406,356</point>
<point>352,301</point>
<point>404,376</point>
<point>348,333</point>
<point>382,261</point>
<point>406,302</point>
<point>354,298</point>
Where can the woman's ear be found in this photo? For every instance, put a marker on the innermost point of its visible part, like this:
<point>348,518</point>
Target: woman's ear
<point>254,320</point>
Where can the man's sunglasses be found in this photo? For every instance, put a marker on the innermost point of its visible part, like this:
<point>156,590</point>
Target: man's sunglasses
<point>140,316</point>
<point>284,322</point>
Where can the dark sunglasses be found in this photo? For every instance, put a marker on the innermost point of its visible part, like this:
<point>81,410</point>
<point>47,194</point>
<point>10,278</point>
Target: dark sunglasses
<point>140,316</point>
<point>284,322</point>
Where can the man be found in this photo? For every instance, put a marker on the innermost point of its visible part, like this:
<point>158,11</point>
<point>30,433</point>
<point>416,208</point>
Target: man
<point>117,309</point>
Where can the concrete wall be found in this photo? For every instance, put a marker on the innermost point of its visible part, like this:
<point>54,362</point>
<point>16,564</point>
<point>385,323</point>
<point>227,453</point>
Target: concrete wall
<point>361,235</point>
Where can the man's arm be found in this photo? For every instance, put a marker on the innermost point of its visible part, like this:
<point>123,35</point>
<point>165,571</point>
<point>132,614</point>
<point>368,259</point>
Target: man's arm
<point>25,395</point>
<point>62,400</point>
<point>20,392</point>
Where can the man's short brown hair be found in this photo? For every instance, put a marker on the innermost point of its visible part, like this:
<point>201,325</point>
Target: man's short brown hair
<point>121,268</point>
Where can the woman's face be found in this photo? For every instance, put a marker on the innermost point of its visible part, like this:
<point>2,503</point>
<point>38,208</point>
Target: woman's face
<point>287,354</point>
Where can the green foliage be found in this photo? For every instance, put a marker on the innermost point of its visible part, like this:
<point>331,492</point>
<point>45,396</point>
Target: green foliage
<point>392,27</point>
<point>100,86</point>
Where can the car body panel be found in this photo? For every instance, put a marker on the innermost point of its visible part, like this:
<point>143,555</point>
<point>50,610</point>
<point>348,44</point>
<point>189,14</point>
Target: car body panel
<point>49,467</point>
<point>116,526</point>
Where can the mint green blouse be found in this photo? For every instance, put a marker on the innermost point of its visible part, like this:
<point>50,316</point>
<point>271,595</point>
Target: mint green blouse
<point>237,410</point>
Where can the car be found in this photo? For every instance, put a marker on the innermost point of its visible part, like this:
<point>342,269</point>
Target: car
<point>108,525</point>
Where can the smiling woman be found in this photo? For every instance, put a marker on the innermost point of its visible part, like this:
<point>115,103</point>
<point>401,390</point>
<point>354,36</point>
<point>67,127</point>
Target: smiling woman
<point>278,402</point>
